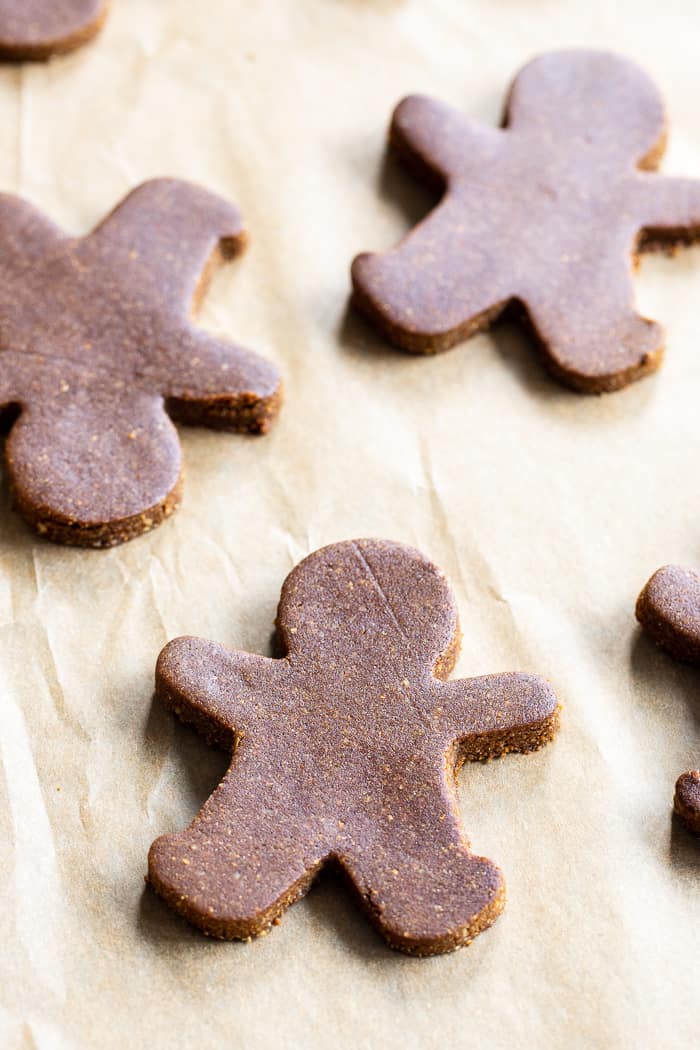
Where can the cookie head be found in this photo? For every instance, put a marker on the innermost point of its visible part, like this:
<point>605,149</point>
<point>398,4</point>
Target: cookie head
<point>371,598</point>
<point>594,100</point>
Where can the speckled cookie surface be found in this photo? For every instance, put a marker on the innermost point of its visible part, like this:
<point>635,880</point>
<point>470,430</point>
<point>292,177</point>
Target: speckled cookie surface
<point>345,752</point>
<point>686,801</point>
<point>99,354</point>
<point>545,215</point>
<point>37,29</point>
<point>669,611</point>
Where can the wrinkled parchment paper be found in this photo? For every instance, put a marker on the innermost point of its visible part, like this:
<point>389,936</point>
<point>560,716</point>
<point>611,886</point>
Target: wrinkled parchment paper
<point>547,510</point>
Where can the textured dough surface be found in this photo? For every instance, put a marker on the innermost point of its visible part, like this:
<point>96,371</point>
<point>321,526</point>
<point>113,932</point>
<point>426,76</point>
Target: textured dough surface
<point>99,354</point>
<point>544,216</point>
<point>345,753</point>
<point>38,29</point>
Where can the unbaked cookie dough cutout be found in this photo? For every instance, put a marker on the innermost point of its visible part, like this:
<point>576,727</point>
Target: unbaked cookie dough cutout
<point>37,29</point>
<point>669,611</point>
<point>345,752</point>
<point>545,216</point>
<point>99,354</point>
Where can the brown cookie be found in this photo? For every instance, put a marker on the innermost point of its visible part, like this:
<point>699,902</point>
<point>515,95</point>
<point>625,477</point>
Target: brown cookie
<point>99,352</point>
<point>345,753</point>
<point>686,801</point>
<point>669,610</point>
<point>38,29</point>
<point>546,215</point>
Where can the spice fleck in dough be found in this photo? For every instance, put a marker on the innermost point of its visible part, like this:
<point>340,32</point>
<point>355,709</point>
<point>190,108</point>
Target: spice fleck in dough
<point>669,611</point>
<point>99,353</point>
<point>545,215</point>
<point>345,753</point>
<point>38,29</point>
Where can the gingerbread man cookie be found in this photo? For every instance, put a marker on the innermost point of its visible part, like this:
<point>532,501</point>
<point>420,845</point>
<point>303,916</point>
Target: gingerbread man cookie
<point>38,29</point>
<point>669,611</point>
<point>546,215</point>
<point>99,353</point>
<point>345,753</point>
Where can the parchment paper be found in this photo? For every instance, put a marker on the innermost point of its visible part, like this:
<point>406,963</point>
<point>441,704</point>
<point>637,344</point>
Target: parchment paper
<point>547,510</point>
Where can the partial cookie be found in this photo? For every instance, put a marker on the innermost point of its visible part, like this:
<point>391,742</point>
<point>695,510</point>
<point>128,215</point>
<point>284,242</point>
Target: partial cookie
<point>99,354</point>
<point>345,753</point>
<point>38,29</point>
<point>546,215</point>
<point>669,611</point>
<point>687,800</point>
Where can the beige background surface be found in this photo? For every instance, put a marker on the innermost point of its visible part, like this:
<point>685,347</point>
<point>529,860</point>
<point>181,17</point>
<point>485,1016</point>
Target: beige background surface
<point>547,510</point>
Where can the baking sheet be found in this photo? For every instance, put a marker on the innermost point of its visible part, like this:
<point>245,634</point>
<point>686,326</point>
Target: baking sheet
<point>547,510</point>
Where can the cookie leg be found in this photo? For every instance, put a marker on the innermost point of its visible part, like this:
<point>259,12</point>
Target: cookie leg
<point>167,237</point>
<point>91,463</point>
<point>239,865</point>
<point>425,296</point>
<point>421,887</point>
<point>590,335</point>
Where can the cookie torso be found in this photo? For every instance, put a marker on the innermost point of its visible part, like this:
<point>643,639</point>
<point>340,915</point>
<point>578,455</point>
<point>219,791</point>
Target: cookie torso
<point>346,753</point>
<point>502,227</point>
<point>37,29</point>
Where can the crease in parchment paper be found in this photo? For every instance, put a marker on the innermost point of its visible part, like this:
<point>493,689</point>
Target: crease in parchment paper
<point>40,1035</point>
<point>545,510</point>
<point>37,882</point>
<point>485,576</point>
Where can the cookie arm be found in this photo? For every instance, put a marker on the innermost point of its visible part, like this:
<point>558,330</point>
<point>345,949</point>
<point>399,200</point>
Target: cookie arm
<point>166,238</point>
<point>27,239</point>
<point>209,382</point>
<point>669,210</point>
<point>440,284</point>
<point>218,690</point>
<point>424,296</point>
<point>492,715</point>
<point>437,140</point>
<point>26,235</point>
